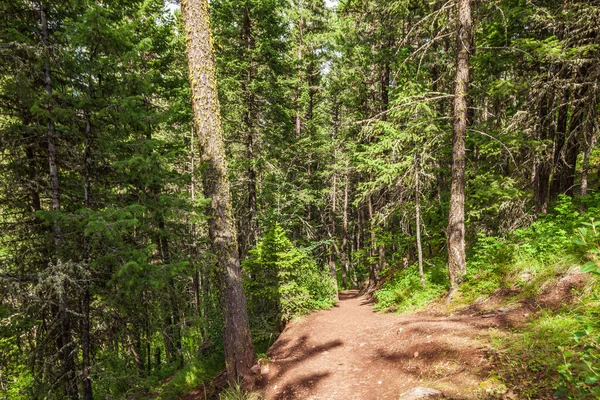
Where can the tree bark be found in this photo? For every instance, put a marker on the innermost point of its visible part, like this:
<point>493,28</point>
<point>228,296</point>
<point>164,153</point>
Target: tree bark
<point>590,138</point>
<point>300,77</point>
<point>85,334</point>
<point>418,220</point>
<point>541,182</point>
<point>239,351</point>
<point>65,343</point>
<point>372,265</point>
<point>558,158</point>
<point>345,255</point>
<point>456,217</point>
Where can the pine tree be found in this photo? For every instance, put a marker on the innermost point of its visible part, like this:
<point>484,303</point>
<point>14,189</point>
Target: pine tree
<point>239,351</point>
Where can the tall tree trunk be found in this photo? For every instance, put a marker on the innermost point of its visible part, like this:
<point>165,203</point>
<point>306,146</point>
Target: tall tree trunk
<point>173,319</point>
<point>85,334</point>
<point>381,262</point>
<point>239,351</point>
<point>345,252</point>
<point>36,204</point>
<point>541,182</point>
<point>65,343</point>
<point>456,217</point>
<point>418,220</point>
<point>372,265</point>
<point>300,77</point>
<point>590,137</point>
<point>567,180</point>
<point>558,157</point>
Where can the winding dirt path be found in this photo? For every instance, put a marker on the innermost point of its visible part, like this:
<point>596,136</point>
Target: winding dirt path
<point>352,352</point>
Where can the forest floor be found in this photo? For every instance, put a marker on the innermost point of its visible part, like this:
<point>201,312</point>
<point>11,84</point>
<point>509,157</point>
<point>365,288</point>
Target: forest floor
<point>353,352</point>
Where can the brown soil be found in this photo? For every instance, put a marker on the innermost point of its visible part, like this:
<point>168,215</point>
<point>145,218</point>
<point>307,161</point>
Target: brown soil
<point>353,352</point>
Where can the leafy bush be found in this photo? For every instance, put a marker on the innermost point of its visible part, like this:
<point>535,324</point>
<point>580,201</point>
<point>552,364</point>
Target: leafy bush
<point>281,282</point>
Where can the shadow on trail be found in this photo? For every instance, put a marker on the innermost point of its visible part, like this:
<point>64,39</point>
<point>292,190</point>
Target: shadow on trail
<point>296,388</point>
<point>286,356</point>
<point>348,294</point>
<point>429,352</point>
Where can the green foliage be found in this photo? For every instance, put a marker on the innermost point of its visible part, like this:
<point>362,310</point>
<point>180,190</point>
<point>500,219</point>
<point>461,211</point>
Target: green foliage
<point>530,256</point>
<point>193,375</point>
<point>404,291</point>
<point>589,239</point>
<point>580,370</point>
<point>282,282</point>
<point>528,360</point>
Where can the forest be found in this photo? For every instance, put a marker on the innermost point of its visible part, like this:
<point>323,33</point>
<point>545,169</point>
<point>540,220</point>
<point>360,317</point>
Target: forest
<point>181,180</point>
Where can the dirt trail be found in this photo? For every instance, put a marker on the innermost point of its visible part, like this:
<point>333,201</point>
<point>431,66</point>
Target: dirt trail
<point>352,352</point>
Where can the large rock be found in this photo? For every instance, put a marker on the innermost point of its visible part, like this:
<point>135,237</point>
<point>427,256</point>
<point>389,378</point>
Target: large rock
<point>421,393</point>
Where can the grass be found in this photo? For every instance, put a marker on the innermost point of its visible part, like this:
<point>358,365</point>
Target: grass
<point>237,393</point>
<point>193,375</point>
<point>405,293</point>
<point>556,354</point>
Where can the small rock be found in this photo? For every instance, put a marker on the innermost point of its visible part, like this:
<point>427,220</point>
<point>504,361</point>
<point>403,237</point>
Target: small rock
<point>255,369</point>
<point>526,277</point>
<point>416,354</point>
<point>421,393</point>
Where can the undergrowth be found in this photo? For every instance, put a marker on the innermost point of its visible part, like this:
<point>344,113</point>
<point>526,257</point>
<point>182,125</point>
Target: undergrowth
<point>557,353</point>
<point>192,376</point>
<point>405,292</point>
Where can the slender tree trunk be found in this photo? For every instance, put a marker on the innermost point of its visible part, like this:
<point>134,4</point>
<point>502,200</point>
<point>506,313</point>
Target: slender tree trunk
<point>456,216</point>
<point>590,138</point>
<point>589,145</point>
<point>239,351</point>
<point>300,77</point>
<point>36,204</point>
<point>567,180</point>
<point>381,264</point>
<point>372,265</point>
<point>345,252</point>
<point>173,319</point>
<point>85,335</point>
<point>65,342</point>
<point>418,220</point>
<point>541,182</point>
<point>558,158</point>
<point>51,137</point>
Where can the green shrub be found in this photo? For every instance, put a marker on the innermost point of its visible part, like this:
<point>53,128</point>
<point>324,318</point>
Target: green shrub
<point>282,282</point>
<point>191,376</point>
<point>404,292</point>
<point>580,370</point>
